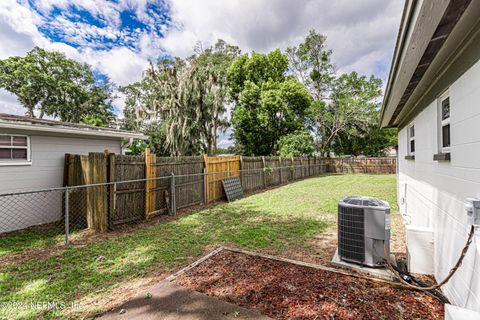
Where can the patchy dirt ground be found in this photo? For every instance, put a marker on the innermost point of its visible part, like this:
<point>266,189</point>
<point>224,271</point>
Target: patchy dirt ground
<point>288,291</point>
<point>321,248</point>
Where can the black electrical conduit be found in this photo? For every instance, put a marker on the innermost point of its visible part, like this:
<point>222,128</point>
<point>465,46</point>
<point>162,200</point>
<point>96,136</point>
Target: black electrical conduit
<point>407,278</point>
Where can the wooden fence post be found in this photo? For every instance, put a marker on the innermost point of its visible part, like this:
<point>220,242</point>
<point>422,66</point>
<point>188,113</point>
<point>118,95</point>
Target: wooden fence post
<point>95,171</point>
<point>173,197</point>
<point>241,172</point>
<point>112,188</point>
<point>263,173</point>
<point>150,185</point>
<point>207,179</point>
<point>281,169</point>
<point>294,167</point>
<point>205,186</point>
<point>302,168</point>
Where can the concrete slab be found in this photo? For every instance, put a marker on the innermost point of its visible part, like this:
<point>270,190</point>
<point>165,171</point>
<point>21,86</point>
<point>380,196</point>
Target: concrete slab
<point>170,301</point>
<point>381,273</point>
<point>458,313</point>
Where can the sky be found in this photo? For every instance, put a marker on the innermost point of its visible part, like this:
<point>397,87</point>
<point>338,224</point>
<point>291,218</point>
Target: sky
<point>119,37</point>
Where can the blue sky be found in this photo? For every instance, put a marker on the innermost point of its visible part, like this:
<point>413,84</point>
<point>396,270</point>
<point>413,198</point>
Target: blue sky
<point>96,29</point>
<point>118,37</point>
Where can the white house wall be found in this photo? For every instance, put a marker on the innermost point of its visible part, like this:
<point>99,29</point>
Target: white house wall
<point>432,193</point>
<point>46,171</point>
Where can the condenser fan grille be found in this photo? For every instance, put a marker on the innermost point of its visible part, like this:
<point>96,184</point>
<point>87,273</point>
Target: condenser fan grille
<point>351,240</point>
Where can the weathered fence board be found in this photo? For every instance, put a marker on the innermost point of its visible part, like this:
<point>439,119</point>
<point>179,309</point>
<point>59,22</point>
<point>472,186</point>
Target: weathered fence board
<point>129,197</point>
<point>273,176</point>
<point>252,176</point>
<point>88,206</point>
<point>78,197</point>
<point>150,185</point>
<point>190,180</point>
<point>218,168</point>
<point>362,165</point>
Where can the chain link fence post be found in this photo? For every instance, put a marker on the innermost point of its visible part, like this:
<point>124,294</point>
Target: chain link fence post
<point>67,214</point>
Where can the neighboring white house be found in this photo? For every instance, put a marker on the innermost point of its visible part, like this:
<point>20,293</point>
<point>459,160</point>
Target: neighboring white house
<point>433,97</point>
<point>32,156</point>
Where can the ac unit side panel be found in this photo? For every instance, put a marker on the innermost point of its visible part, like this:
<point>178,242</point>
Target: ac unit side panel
<point>376,222</point>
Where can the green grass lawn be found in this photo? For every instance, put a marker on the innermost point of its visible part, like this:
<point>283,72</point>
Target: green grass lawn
<point>284,217</point>
<point>31,239</point>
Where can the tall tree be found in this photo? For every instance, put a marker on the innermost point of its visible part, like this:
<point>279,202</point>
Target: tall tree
<point>268,103</point>
<point>353,107</point>
<point>210,67</point>
<point>53,85</point>
<point>189,95</point>
<point>311,65</point>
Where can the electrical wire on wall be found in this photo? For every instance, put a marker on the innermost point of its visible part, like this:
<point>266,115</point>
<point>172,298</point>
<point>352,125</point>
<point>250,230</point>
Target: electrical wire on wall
<point>407,279</point>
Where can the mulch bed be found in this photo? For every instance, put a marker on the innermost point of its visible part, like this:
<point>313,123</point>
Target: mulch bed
<point>288,291</point>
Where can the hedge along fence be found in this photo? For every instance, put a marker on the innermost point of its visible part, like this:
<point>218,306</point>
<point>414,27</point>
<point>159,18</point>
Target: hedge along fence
<point>167,184</point>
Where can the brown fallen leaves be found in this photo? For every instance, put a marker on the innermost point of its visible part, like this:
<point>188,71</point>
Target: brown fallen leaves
<point>288,291</point>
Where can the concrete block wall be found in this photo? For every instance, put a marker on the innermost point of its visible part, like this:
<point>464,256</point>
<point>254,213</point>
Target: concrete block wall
<point>432,193</point>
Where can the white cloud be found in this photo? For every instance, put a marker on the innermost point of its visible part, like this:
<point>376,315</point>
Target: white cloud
<point>19,25</point>
<point>122,65</point>
<point>9,103</point>
<point>18,29</point>
<point>101,9</point>
<point>361,33</point>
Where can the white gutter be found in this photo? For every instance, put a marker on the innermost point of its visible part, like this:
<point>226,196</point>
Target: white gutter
<point>405,23</point>
<point>73,131</point>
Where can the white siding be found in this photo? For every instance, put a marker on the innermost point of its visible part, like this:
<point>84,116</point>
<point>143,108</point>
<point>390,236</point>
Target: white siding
<point>46,170</point>
<point>434,192</point>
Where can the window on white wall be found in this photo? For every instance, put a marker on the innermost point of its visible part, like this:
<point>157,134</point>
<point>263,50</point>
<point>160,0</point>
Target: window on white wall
<point>443,128</point>
<point>411,140</point>
<point>14,149</point>
<point>445,124</point>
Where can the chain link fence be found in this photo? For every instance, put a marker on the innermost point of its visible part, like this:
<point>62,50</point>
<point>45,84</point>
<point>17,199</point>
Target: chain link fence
<point>52,216</point>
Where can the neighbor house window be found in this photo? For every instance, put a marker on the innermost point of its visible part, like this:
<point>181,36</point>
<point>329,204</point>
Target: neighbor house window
<point>14,149</point>
<point>411,140</point>
<point>444,124</point>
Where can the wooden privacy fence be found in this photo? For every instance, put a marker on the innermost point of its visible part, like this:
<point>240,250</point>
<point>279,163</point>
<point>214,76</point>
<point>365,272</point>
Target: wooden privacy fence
<point>362,165</point>
<point>217,169</point>
<point>165,184</point>
<point>184,188</point>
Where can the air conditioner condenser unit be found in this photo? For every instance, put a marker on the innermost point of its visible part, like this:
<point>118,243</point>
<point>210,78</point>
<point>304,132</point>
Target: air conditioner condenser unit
<point>363,229</point>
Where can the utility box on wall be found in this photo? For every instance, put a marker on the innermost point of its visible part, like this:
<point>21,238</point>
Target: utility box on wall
<point>420,250</point>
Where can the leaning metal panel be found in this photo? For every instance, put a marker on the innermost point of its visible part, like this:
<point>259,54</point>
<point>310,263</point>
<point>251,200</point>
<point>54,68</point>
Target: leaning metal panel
<point>233,188</point>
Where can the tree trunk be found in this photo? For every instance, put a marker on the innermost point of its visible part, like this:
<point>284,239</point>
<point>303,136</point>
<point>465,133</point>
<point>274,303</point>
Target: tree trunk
<point>30,111</point>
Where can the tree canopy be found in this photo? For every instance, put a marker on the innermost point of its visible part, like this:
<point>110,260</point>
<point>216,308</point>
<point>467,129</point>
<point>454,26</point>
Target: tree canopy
<point>297,144</point>
<point>310,62</point>
<point>371,141</point>
<point>291,103</point>
<point>353,108</point>
<point>53,85</point>
<point>189,96</point>
<point>268,103</point>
